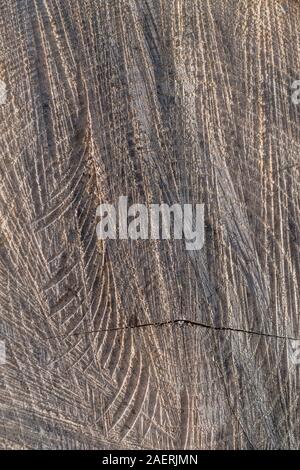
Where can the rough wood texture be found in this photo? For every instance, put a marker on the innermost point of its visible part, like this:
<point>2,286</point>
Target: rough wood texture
<point>163,101</point>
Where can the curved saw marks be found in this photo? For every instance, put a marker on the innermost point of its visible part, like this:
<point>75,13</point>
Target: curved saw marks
<point>109,343</point>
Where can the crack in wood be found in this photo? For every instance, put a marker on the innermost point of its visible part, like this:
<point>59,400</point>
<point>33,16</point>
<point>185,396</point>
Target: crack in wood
<point>181,322</point>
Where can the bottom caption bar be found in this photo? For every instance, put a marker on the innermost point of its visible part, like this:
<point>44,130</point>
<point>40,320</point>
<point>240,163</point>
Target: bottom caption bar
<point>141,458</point>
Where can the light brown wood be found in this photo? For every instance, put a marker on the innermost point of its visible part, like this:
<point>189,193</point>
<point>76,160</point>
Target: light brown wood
<point>124,344</point>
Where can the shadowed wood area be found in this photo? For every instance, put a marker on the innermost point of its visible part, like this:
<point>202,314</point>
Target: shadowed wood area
<point>144,344</point>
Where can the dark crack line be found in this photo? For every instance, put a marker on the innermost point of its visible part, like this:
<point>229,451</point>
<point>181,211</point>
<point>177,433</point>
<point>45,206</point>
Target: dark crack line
<point>180,322</point>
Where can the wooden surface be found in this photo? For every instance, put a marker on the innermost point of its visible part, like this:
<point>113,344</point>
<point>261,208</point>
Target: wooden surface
<point>143,344</point>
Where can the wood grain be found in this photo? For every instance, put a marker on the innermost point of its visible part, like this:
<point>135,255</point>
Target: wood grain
<point>142,344</point>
